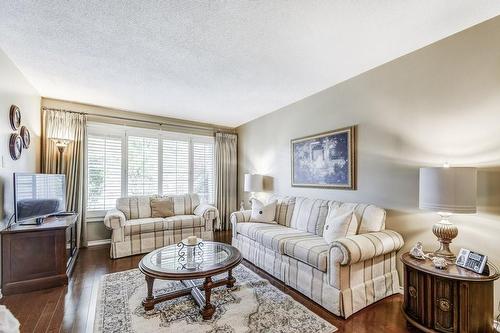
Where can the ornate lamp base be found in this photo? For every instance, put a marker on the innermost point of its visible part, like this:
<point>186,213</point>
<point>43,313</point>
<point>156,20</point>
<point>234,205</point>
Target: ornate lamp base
<point>445,231</point>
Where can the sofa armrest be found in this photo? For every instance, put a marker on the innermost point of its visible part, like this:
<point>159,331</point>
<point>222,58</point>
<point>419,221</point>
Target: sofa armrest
<point>210,214</point>
<point>353,249</point>
<point>114,219</point>
<point>239,217</point>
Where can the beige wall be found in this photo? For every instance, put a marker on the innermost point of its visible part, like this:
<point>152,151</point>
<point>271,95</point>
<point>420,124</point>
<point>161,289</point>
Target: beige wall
<point>438,104</point>
<point>15,89</point>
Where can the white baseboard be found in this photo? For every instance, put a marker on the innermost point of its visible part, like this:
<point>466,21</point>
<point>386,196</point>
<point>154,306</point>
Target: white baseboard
<point>98,242</point>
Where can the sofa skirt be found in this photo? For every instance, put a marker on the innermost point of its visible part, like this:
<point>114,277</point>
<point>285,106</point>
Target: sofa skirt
<point>296,274</point>
<point>315,285</point>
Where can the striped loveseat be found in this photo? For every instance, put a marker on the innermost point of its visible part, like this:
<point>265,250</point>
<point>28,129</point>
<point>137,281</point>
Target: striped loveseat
<point>344,276</point>
<point>134,231</point>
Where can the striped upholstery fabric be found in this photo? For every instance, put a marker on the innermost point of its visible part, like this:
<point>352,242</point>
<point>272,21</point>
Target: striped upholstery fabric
<point>137,207</point>
<point>310,249</point>
<point>148,241</point>
<point>138,226</point>
<point>134,231</point>
<point>185,204</point>
<point>370,218</point>
<point>294,273</point>
<point>208,213</point>
<point>284,209</point>
<point>343,277</point>
<point>353,249</point>
<point>272,236</point>
<point>309,215</point>
<point>114,219</point>
<point>238,217</point>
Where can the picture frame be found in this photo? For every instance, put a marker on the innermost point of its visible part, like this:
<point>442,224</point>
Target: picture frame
<point>325,160</point>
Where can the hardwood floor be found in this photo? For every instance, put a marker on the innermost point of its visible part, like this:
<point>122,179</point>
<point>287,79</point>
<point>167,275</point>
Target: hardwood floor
<point>71,308</point>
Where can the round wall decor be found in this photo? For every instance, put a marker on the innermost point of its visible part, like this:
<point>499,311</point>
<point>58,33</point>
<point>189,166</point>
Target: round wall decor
<point>15,146</point>
<point>15,117</point>
<point>26,136</point>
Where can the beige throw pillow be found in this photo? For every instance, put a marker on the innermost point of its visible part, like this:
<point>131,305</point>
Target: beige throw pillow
<point>339,223</point>
<point>263,213</point>
<point>162,207</point>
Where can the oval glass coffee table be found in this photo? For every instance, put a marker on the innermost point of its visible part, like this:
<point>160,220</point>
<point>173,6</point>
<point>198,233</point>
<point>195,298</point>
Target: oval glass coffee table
<point>173,262</point>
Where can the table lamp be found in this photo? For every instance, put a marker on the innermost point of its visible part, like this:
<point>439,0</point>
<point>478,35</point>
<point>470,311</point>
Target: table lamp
<point>253,183</point>
<point>447,191</point>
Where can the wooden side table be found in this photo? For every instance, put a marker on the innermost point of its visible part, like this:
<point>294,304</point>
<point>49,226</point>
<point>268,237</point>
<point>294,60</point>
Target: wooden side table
<point>454,300</point>
<point>38,256</point>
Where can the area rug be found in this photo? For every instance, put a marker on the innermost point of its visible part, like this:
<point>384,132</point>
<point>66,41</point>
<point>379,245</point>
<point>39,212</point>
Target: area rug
<point>253,305</point>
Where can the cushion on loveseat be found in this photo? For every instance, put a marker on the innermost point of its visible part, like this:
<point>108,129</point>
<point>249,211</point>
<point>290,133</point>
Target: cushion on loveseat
<point>139,207</point>
<point>310,249</point>
<point>271,236</point>
<point>138,226</point>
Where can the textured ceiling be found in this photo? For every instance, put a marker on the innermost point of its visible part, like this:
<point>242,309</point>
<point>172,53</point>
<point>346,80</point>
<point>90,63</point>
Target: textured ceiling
<point>217,61</point>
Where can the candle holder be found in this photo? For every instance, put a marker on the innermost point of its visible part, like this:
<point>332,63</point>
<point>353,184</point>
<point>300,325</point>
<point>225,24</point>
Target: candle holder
<point>190,255</point>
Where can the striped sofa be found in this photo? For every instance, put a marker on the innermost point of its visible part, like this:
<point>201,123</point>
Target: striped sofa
<point>344,276</point>
<point>134,231</point>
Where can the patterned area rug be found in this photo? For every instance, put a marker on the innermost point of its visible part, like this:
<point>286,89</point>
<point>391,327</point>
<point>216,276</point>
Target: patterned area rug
<point>253,305</point>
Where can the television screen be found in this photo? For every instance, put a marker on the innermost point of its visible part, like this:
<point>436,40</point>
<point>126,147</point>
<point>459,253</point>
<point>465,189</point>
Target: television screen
<point>38,195</point>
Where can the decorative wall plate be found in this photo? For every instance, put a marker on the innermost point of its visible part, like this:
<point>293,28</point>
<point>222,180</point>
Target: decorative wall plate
<point>26,136</point>
<point>15,146</point>
<point>15,117</point>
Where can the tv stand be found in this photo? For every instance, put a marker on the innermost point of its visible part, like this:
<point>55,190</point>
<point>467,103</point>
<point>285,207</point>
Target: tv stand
<point>38,256</point>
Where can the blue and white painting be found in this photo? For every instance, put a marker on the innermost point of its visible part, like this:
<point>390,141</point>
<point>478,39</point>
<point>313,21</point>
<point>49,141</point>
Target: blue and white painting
<point>324,160</point>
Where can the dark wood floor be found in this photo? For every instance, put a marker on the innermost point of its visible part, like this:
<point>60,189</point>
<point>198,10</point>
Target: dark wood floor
<point>71,308</point>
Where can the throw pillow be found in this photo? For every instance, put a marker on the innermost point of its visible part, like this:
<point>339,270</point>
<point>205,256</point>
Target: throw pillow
<point>339,223</point>
<point>162,207</point>
<point>263,213</point>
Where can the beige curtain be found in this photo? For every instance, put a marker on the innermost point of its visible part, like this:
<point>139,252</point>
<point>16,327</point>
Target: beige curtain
<point>226,163</point>
<point>69,126</point>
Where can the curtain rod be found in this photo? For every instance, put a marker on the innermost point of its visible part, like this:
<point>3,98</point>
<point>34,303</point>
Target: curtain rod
<point>213,128</point>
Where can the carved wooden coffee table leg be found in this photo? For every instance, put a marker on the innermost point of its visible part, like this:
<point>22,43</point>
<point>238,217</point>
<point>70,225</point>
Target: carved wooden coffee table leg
<point>148,302</point>
<point>208,310</point>
<point>230,279</point>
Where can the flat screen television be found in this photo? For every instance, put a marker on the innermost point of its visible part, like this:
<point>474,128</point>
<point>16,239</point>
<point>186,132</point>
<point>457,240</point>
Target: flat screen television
<point>37,196</point>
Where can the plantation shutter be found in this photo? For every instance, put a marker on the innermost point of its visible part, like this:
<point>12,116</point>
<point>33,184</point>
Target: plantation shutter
<point>203,169</point>
<point>104,171</point>
<point>142,165</point>
<point>175,166</point>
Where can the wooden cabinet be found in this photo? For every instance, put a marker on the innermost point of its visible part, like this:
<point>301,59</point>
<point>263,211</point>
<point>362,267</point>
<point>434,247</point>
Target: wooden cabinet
<point>454,300</point>
<point>38,256</point>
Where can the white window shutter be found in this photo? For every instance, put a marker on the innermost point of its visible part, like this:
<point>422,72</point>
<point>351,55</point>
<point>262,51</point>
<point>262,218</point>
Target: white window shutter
<point>175,166</point>
<point>142,165</point>
<point>104,171</point>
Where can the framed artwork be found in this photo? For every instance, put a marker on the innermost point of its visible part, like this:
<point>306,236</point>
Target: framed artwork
<point>325,160</point>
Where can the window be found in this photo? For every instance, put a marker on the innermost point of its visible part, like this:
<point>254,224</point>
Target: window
<point>175,166</point>
<point>142,165</point>
<point>125,162</point>
<point>104,171</point>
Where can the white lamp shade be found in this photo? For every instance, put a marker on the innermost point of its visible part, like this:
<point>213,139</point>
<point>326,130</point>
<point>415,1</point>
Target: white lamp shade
<point>253,183</point>
<point>449,190</point>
